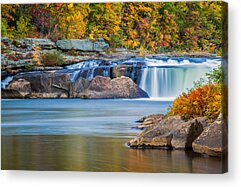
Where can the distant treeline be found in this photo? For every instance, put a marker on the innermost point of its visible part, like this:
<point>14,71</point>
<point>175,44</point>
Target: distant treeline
<point>159,27</point>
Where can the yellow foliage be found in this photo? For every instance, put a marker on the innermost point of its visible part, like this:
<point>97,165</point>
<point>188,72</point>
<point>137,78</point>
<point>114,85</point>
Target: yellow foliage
<point>203,101</point>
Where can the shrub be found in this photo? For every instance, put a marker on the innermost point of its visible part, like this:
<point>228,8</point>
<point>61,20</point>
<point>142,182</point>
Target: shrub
<point>4,26</point>
<point>214,76</point>
<point>203,101</point>
<point>22,28</point>
<point>52,59</point>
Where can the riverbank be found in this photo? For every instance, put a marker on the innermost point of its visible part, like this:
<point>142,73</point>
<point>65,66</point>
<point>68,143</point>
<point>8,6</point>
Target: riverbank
<point>23,55</point>
<point>172,132</point>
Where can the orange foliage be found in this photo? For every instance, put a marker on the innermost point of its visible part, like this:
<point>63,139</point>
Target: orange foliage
<point>203,101</point>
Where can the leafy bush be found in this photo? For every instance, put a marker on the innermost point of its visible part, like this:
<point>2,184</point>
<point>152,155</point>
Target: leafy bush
<point>203,101</point>
<point>214,76</point>
<point>4,26</point>
<point>52,59</point>
<point>22,28</point>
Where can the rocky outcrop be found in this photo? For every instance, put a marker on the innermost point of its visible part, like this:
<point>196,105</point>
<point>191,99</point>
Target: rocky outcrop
<point>121,87</point>
<point>83,45</point>
<point>213,140</point>
<point>148,121</point>
<point>11,94</point>
<point>129,70</point>
<point>41,85</point>
<point>170,132</point>
<point>56,84</point>
<point>30,42</point>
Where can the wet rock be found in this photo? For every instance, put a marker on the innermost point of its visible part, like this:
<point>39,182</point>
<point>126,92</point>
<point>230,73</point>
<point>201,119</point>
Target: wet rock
<point>78,88</point>
<point>83,45</point>
<point>213,140</point>
<point>11,94</point>
<point>169,132</point>
<point>20,85</point>
<point>121,87</point>
<point>41,85</point>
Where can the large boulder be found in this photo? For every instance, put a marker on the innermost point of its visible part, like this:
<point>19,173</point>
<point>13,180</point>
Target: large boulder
<point>213,140</point>
<point>83,45</point>
<point>22,86</point>
<point>58,84</point>
<point>128,70</point>
<point>11,94</point>
<point>121,87</point>
<point>170,132</point>
<point>41,85</point>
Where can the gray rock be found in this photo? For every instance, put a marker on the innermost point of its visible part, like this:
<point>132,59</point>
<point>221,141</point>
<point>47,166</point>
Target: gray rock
<point>41,85</point>
<point>121,87</point>
<point>57,84</point>
<point>21,85</point>
<point>148,121</point>
<point>83,45</point>
<point>43,43</point>
<point>186,134</point>
<point>213,140</point>
<point>169,132</point>
<point>6,40</point>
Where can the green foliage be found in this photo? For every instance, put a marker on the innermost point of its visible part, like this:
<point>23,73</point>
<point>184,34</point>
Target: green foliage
<point>28,66</point>
<point>52,59</point>
<point>214,76</point>
<point>4,26</point>
<point>22,28</point>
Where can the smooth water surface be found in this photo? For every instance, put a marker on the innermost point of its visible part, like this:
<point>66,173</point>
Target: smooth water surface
<point>87,135</point>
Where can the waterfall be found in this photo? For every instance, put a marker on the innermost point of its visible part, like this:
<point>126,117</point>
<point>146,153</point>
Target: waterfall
<point>168,79</point>
<point>6,81</point>
<point>161,77</point>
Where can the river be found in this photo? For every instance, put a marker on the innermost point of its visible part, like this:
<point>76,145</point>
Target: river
<point>88,135</point>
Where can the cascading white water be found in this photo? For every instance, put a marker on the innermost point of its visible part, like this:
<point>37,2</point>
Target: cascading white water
<point>161,77</point>
<point>6,81</point>
<point>169,79</point>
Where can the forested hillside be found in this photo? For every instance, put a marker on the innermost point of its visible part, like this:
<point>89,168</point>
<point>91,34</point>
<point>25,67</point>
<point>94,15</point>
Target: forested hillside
<point>159,27</point>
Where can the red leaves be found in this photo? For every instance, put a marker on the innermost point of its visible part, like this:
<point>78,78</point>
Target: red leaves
<point>58,6</point>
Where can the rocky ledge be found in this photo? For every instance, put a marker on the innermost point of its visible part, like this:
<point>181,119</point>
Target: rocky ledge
<point>17,55</point>
<point>174,133</point>
<point>54,84</point>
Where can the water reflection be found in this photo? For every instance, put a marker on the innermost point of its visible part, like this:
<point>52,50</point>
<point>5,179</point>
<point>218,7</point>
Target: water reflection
<point>87,135</point>
<point>80,153</point>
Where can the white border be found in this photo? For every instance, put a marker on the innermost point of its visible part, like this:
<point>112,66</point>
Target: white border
<point>233,178</point>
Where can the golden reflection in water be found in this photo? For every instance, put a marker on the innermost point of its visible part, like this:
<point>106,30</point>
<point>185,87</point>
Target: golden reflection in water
<point>80,153</point>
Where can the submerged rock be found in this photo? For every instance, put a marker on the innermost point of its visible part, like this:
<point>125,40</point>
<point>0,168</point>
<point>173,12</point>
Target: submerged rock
<point>213,140</point>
